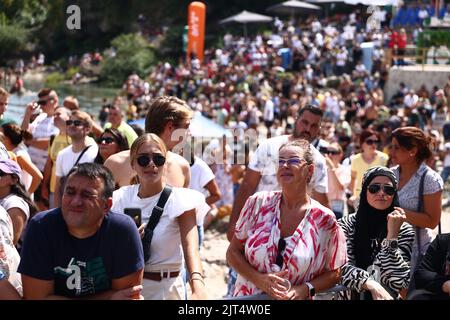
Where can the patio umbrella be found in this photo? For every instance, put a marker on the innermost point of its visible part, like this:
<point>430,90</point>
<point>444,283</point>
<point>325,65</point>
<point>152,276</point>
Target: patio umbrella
<point>292,7</point>
<point>325,1</point>
<point>373,2</point>
<point>246,17</point>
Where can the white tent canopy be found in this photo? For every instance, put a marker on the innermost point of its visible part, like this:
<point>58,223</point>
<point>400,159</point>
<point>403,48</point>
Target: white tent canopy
<point>246,17</point>
<point>325,1</point>
<point>373,2</point>
<point>292,7</point>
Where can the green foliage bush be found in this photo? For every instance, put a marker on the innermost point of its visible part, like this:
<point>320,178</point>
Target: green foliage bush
<point>429,38</point>
<point>133,54</point>
<point>55,78</point>
<point>432,38</point>
<point>13,38</point>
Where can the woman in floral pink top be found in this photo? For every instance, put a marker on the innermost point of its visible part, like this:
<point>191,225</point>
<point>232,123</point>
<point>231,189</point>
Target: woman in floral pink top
<point>287,235</point>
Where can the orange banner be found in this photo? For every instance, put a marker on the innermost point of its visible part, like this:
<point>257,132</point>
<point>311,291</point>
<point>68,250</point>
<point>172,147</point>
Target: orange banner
<point>196,29</point>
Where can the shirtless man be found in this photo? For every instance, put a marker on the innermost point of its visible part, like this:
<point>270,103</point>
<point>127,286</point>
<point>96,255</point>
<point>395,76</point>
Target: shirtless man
<point>164,116</point>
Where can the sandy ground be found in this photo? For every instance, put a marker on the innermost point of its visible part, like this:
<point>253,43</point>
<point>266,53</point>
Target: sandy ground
<point>213,257</point>
<point>216,244</point>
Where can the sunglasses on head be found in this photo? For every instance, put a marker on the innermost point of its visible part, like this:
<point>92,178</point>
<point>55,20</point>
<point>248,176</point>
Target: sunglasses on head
<point>281,247</point>
<point>289,162</point>
<point>370,141</point>
<point>76,123</point>
<point>376,187</point>
<point>157,159</point>
<point>105,140</point>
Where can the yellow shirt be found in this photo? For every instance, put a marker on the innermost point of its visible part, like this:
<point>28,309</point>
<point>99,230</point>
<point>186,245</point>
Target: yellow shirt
<point>360,166</point>
<point>126,130</point>
<point>59,143</point>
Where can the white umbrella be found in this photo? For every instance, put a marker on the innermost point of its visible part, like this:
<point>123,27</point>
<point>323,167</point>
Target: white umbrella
<point>325,1</point>
<point>372,2</point>
<point>246,17</point>
<point>292,7</point>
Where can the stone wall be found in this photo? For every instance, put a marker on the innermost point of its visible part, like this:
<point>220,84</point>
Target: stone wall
<point>414,77</point>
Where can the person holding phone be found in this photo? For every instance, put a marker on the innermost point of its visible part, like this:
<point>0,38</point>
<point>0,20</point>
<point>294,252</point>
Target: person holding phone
<point>175,236</point>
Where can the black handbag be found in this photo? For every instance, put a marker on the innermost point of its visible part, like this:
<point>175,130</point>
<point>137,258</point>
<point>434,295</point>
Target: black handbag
<point>153,221</point>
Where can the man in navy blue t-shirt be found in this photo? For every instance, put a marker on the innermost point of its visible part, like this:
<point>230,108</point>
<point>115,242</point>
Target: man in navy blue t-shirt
<point>82,250</point>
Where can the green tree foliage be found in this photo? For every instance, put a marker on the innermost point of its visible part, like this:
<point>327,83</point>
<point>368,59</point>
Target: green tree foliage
<point>133,54</point>
<point>13,39</point>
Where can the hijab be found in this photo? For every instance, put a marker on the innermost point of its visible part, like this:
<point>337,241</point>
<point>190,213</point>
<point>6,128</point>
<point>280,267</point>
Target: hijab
<point>371,223</point>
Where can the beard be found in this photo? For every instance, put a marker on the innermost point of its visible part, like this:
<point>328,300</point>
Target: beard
<point>303,135</point>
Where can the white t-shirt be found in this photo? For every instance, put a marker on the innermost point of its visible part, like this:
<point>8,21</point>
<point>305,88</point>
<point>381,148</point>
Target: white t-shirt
<point>9,257</point>
<point>265,161</point>
<point>26,178</point>
<point>41,127</point>
<point>166,245</point>
<point>410,100</point>
<point>66,159</point>
<point>268,111</point>
<point>13,201</point>
<point>201,174</point>
<point>447,156</point>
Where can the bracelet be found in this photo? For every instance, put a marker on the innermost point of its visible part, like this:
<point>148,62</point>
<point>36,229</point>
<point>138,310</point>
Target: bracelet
<point>192,279</point>
<point>196,272</point>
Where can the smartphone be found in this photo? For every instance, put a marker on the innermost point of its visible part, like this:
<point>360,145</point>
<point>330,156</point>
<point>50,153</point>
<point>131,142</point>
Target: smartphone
<point>323,150</point>
<point>135,214</point>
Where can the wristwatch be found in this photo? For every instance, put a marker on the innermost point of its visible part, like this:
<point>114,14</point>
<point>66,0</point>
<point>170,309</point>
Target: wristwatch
<point>311,290</point>
<point>391,244</point>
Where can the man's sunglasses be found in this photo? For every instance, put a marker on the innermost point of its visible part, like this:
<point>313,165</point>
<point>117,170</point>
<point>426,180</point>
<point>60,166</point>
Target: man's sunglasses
<point>76,123</point>
<point>144,160</point>
<point>105,140</point>
<point>371,142</point>
<point>281,247</point>
<point>42,102</point>
<point>376,187</point>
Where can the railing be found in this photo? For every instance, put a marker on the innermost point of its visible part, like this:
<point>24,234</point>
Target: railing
<point>415,55</point>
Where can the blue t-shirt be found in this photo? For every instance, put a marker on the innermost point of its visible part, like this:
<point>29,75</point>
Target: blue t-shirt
<point>80,267</point>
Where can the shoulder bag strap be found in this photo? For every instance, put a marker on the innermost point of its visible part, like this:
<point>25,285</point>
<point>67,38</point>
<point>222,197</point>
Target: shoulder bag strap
<point>420,206</point>
<point>158,209</point>
<point>81,154</point>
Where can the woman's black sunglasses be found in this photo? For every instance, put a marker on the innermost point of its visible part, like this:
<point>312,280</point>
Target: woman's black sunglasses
<point>370,141</point>
<point>281,247</point>
<point>387,189</point>
<point>106,140</point>
<point>144,160</point>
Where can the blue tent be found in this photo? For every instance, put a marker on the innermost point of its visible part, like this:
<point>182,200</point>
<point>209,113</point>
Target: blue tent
<point>200,126</point>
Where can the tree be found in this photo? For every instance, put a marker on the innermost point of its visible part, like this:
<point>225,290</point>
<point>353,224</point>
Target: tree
<point>132,54</point>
